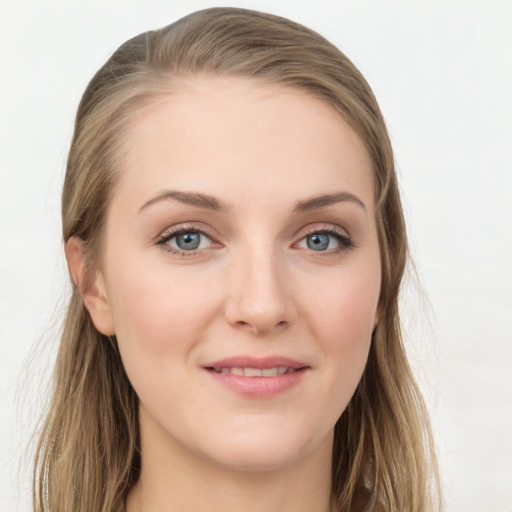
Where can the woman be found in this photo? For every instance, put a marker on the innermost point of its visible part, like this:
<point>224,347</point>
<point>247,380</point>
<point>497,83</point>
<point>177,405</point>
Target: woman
<point>235,238</point>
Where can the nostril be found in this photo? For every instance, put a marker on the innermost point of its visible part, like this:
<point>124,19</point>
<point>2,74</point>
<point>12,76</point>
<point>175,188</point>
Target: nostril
<point>261,327</point>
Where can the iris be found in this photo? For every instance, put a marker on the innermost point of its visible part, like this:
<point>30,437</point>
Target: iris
<point>318,241</point>
<point>188,241</point>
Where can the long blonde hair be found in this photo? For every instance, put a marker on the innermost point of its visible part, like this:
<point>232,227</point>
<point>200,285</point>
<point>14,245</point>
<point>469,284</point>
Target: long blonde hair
<point>88,455</point>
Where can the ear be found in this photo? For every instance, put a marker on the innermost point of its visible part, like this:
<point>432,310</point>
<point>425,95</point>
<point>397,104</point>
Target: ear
<point>91,285</point>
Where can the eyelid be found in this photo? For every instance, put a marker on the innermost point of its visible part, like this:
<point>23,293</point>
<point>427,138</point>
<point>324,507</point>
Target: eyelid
<point>325,228</point>
<point>173,231</point>
<point>345,240</point>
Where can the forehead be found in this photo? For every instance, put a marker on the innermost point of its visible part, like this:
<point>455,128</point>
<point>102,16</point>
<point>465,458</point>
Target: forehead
<point>241,138</point>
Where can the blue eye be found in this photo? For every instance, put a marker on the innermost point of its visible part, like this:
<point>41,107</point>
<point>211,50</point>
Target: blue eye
<point>185,240</point>
<point>318,241</point>
<point>326,240</point>
<point>188,241</point>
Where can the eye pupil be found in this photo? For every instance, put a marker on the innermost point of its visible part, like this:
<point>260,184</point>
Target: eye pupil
<point>188,241</point>
<point>318,241</point>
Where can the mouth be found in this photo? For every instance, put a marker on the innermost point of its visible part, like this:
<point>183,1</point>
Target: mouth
<point>248,366</point>
<point>257,377</point>
<point>254,372</point>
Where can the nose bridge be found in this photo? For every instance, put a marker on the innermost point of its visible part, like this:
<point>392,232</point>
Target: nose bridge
<point>259,292</point>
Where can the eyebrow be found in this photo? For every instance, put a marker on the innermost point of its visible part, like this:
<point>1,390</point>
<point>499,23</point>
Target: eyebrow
<point>212,203</point>
<point>326,200</point>
<point>191,198</point>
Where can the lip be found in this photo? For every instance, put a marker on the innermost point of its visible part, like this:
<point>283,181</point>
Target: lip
<point>261,386</point>
<point>255,362</point>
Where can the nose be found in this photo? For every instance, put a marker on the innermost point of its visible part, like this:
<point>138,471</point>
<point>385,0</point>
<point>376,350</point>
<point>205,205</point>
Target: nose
<point>260,299</point>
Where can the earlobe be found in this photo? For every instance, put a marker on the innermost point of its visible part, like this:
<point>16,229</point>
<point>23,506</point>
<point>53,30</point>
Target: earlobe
<point>91,285</point>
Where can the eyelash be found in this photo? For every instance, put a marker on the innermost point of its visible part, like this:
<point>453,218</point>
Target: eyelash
<point>345,242</point>
<point>173,232</point>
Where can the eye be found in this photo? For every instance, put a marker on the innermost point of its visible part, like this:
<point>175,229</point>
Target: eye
<point>326,240</point>
<point>185,240</point>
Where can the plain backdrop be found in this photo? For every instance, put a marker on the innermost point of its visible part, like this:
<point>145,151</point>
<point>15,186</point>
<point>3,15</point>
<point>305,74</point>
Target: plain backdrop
<point>442,74</point>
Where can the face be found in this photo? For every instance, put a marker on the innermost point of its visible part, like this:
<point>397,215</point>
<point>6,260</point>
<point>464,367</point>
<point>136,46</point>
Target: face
<point>241,271</point>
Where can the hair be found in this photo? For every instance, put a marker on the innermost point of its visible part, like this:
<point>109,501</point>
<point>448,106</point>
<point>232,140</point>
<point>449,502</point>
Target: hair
<point>88,456</point>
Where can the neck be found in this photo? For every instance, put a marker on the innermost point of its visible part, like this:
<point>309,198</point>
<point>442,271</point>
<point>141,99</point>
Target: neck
<point>173,479</point>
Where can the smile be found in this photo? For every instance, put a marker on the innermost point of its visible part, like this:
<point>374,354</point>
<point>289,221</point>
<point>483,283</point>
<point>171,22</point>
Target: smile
<point>257,378</point>
<point>255,372</point>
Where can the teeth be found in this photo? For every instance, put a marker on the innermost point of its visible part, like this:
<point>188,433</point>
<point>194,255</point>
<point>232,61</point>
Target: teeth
<point>256,372</point>
<point>252,372</point>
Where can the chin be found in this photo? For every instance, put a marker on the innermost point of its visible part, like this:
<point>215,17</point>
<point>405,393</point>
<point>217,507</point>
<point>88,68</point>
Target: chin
<point>264,450</point>
<point>256,460</point>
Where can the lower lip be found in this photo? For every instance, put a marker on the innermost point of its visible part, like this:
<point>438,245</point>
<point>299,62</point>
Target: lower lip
<point>259,387</point>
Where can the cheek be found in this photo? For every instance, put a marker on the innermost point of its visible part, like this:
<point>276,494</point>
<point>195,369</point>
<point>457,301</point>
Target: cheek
<point>158,314</point>
<point>343,318</point>
<point>344,306</point>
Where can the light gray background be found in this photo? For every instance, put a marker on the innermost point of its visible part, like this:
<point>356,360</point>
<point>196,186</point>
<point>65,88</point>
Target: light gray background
<point>442,74</point>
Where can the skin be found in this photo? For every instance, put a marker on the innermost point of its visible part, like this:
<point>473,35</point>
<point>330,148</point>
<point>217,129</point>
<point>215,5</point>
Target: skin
<point>254,287</point>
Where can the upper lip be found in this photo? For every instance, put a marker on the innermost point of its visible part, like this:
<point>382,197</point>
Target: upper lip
<point>255,362</point>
